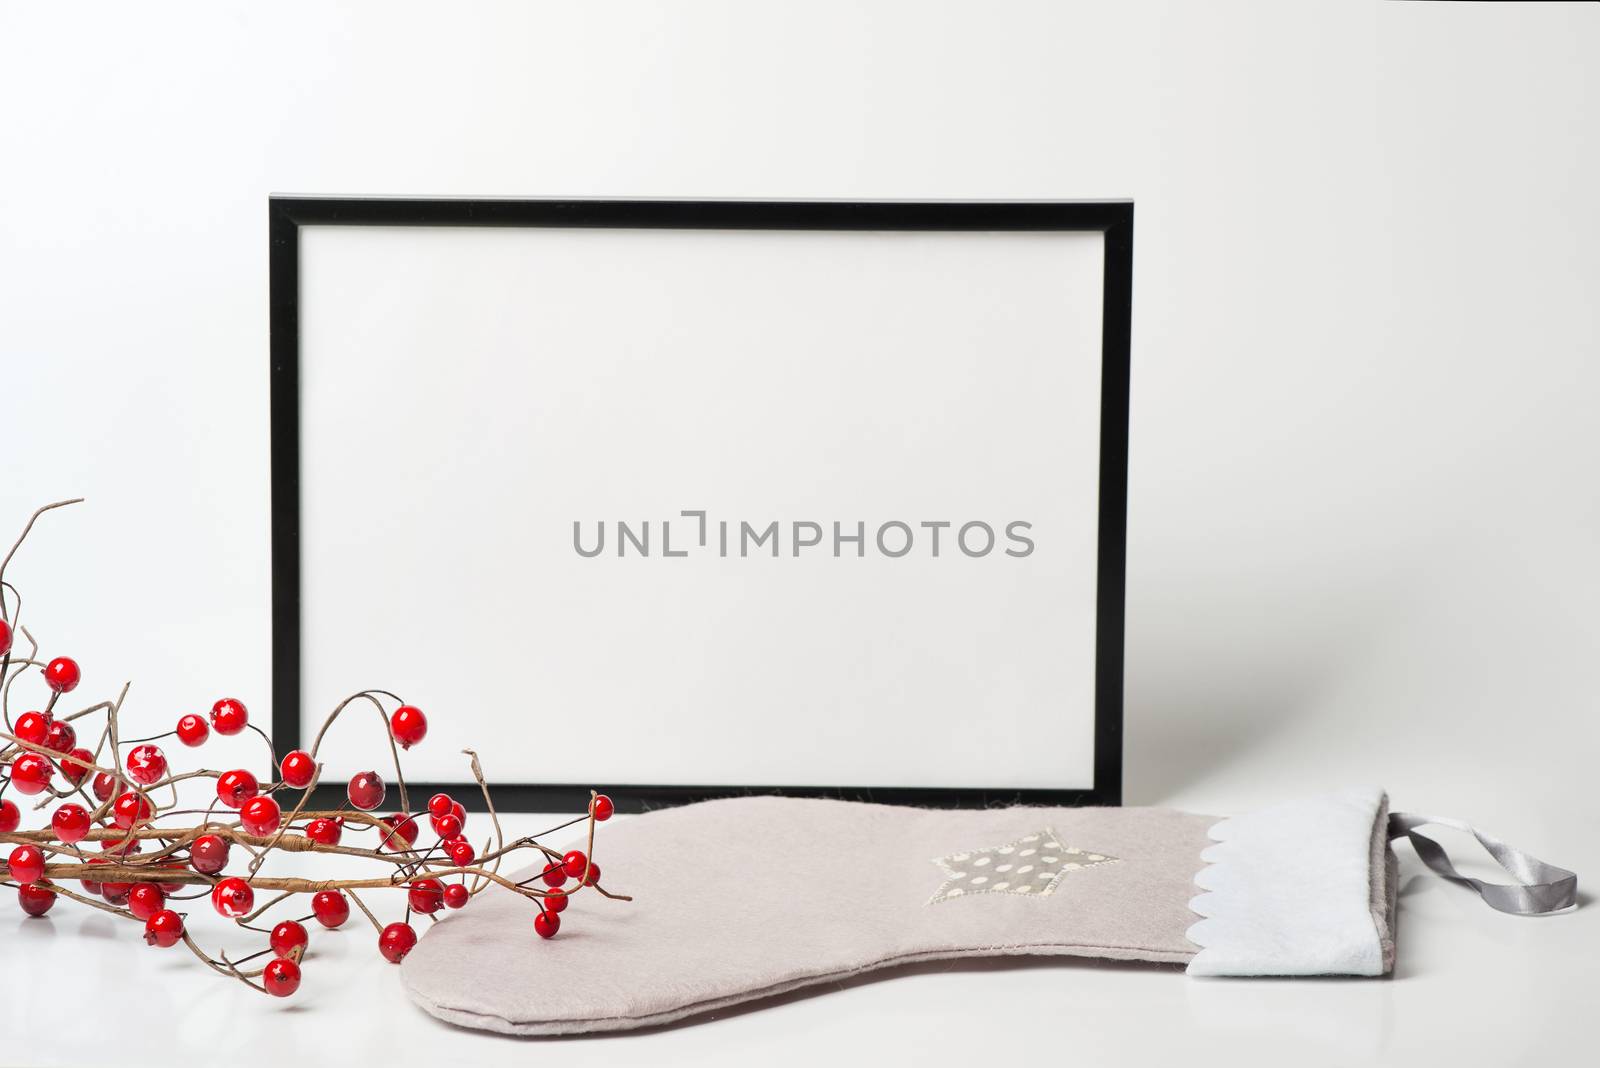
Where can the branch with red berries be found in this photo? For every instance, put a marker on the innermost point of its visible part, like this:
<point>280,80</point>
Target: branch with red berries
<point>117,829</point>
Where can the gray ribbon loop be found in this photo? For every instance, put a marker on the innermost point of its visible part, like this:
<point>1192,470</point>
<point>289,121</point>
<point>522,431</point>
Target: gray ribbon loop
<point>1543,887</point>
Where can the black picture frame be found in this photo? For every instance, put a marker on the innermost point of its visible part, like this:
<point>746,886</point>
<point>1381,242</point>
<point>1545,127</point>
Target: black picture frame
<point>1114,219</point>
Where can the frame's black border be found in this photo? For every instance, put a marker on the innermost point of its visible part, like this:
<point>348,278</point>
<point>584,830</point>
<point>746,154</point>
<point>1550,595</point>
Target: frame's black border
<point>1114,219</point>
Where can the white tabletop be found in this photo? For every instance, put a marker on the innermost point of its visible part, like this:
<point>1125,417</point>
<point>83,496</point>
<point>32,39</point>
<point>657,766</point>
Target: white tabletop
<point>1461,966</point>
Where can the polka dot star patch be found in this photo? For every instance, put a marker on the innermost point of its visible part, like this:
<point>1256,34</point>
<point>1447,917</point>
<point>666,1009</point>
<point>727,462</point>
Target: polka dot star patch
<point>1031,866</point>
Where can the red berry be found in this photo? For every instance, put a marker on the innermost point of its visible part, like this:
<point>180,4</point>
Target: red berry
<point>208,854</point>
<point>163,929</point>
<point>281,977</point>
<point>229,716</point>
<point>27,864</point>
<point>593,876</point>
<point>129,809</point>
<point>547,924</point>
<point>446,826</point>
<point>5,637</point>
<point>33,727</point>
<point>236,787</point>
<point>459,811</point>
<point>601,807</point>
<point>330,908</point>
<point>145,900</point>
<point>261,816</point>
<point>408,725</point>
<point>105,785</point>
<point>70,823</point>
<point>426,896</point>
<point>554,875</point>
<point>10,817</point>
<point>192,731</point>
<point>396,941</point>
<point>62,674</point>
<point>556,901</point>
<point>440,805</point>
<point>575,864</point>
<point>400,832</point>
<point>89,885</point>
<point>456,895</point>
<point>61,737</point>
<point>298,768</point>
<point>460,852</point>
<point>366,790</point>
<point>75,765</point>
<point>116,893</point>
<point>232,897</point>
<point>35,900</point>
<point>146,764</point>
<point>325,831</point>
<point>287,937</point>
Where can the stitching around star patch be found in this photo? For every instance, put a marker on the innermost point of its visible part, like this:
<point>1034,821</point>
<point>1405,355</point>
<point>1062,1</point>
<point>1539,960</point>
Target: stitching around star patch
<point>1030,866</point>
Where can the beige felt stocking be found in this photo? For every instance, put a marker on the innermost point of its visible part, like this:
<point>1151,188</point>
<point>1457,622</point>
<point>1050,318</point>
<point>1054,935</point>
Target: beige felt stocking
<point>811,891</point>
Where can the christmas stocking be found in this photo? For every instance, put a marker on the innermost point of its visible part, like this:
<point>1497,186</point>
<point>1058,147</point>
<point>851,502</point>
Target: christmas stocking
<point>744,898</point>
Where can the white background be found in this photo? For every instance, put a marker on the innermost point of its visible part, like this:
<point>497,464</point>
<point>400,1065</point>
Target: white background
<point>1363,509</point>
<point>479,392</point>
